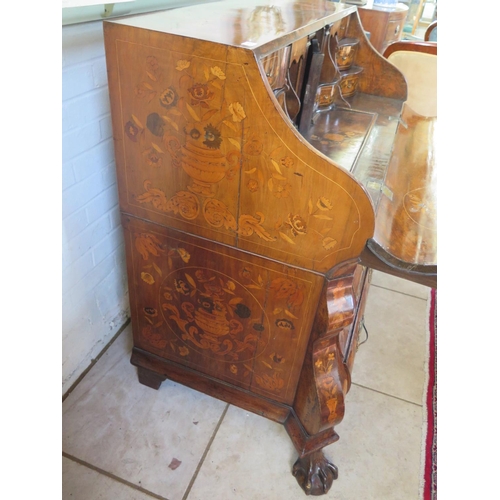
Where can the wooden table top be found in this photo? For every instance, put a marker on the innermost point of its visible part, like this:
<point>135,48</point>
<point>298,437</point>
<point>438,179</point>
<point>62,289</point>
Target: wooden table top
<point>254,24</point>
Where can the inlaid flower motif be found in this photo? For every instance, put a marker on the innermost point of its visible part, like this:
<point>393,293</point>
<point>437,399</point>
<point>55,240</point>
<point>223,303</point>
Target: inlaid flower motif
<point>284,324</point>
<point>202,276</point>
<point>182,287</point>
<point>200,93</point>
<point>242,311</point>
<point>273,383</point>
<point>153,68</point>
<point>155,124</point>
<point>253,147</point>
<point>289,290</point>
<point>151,312</point>
<point>206,303</point>
<point>287,162</point>
<point>332,406</point>
<point>213,289</point>
<point>233,369</point>
<point>282,190</point>
<point>216,71</point>
<point>182,64</point>
<point>245,273</point>
<point>183,351</point>
<point>230,285</point>
<point>184,254</point>
<point>213,138</point>
<point>144,89</point>
<point>328,384</point>
<point>253,185</point>
<point>195,133</point>
<point>277,358</point>
<point>148,278</point>
<point>147,243</point>
<point>283,287</point>
<point>153,158</point>
<point>132,130</point>
<point>169,98</point>
<point>324,204</point>
<point>152,63</point>
<point>329,243</point>
<point>297,224</point>
<point>237,112</point>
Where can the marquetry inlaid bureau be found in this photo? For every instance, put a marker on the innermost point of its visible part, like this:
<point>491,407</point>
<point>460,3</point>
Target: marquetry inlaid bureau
<point>252,143</point>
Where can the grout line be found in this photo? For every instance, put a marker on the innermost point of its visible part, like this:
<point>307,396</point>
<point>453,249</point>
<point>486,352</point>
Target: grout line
<point>388,395</point>
<point>94,361</point>
<point>205,453</point>
<point>112,476</point>
<point>397,291</point>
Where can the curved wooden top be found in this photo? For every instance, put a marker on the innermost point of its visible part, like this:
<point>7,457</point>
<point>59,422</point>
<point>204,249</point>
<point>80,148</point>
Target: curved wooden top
<point>260,25</point>
<point>406,221</point>
<point>202,146</point>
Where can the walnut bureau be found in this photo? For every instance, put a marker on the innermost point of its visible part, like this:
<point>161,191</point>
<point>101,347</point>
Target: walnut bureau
<point>252,142</point>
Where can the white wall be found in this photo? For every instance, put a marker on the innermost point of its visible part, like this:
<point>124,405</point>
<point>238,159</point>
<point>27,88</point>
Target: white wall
<point>95,299</point>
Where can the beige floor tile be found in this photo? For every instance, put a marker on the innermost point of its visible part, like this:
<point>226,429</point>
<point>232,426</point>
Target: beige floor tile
<point>134,432</point>
<point>378,455</point>
<point>392,360</point>
<point>399,285</point>
<point>81,483</point>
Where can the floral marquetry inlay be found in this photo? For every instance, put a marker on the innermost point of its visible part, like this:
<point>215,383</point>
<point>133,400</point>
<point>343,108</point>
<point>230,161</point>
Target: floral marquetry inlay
<point>212,313</point>
<point>202,152</point>
<point>238,320</point>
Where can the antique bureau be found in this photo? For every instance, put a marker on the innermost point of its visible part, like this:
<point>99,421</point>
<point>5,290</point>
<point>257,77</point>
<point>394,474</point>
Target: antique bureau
<point>253,140</point>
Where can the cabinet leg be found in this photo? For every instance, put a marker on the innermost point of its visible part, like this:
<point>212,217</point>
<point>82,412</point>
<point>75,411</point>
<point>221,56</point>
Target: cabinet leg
<point>149,378</point>
<point>315,473</point>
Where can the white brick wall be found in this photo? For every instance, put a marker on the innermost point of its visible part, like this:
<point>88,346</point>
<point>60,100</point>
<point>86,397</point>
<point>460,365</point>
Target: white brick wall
<point>95,300</point>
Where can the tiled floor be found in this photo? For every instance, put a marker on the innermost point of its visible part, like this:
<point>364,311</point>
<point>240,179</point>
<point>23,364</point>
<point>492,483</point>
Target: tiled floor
<point>125,441</point>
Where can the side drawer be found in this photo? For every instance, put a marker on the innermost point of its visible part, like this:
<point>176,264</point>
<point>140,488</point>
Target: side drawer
<point>352,344</point>
<point>394,31</point>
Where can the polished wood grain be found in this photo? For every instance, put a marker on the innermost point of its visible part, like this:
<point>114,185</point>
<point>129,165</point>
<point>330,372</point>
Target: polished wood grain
<point>250,177</point>
<point>263,26</point>
<point>252,150</point>
<point>228,314</point>
<point>412,46</point>
<point>407,214</point>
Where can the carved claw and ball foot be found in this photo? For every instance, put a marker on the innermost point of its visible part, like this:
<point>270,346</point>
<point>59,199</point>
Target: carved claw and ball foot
<point>314,473</point>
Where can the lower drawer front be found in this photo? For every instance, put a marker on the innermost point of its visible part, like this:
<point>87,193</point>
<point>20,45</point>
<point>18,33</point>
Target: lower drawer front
<point>355,333</point>
<point>230,315</point>
<point>394,31</point>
